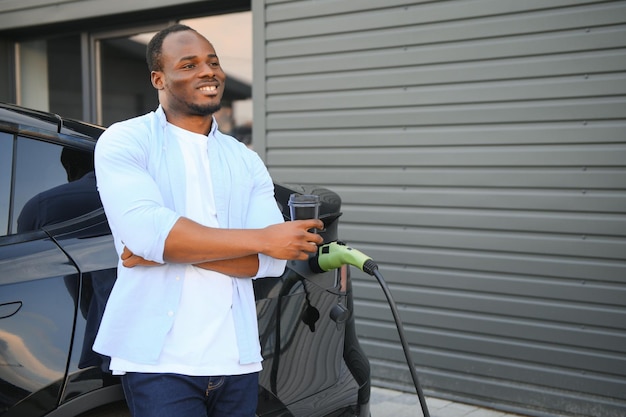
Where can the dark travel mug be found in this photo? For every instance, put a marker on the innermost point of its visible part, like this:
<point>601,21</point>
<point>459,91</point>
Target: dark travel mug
<point>304,206</point>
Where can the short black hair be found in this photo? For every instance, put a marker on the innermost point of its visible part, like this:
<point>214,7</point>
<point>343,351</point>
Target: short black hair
<point>155,46</point>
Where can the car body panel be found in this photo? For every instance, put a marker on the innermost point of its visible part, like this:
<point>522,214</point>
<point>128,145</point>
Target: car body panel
<point>35,340</point>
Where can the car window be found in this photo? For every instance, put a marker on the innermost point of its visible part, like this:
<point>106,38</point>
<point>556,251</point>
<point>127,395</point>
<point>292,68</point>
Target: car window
<point>6,155</point>
<point>51,184</point>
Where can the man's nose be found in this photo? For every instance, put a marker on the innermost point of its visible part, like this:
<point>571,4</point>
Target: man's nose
<point>207,69</point>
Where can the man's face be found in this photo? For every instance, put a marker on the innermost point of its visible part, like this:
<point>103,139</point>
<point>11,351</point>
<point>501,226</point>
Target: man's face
<point>191,80</point>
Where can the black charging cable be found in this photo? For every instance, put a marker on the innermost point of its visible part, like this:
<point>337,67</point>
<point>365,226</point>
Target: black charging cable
<point>370,267</point>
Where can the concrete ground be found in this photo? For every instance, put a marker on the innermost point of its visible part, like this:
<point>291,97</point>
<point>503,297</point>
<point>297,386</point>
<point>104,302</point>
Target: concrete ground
<point>388,403</point>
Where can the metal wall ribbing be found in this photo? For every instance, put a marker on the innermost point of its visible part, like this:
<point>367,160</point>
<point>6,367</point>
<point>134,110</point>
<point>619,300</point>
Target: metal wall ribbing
<point>15,14</point>
<point>479,147</point>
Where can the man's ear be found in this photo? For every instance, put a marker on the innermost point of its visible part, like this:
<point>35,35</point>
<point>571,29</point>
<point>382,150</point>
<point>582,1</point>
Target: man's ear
<point>157,79</point>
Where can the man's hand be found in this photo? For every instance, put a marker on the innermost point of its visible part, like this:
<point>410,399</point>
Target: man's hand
<point>292,240</point>
<point>130,260</point>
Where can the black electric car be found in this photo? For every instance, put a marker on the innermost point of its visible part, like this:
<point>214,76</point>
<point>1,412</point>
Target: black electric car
<point>58,265</point>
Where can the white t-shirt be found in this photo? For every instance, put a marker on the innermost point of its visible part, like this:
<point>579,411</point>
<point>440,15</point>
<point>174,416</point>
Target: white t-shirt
<point>202,340</point>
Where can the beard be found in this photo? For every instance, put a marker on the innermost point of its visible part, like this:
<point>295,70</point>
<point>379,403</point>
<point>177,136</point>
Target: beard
<point>183,103</point>
<point>203,110</point>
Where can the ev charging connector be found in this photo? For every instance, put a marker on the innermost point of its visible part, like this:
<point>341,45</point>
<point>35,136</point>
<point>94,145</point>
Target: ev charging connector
<point>333,255</point>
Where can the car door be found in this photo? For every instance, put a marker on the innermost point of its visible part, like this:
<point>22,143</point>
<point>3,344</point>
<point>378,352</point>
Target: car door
<point>88,242</point>
<point>38,283</point>
<point>38,291</point>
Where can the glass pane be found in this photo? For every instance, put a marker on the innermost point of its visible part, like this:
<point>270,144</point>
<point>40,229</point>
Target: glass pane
<point>7,66</point>
<point>126,87</point>
<point>6,153</point>
<point>65,77</point>
<point>51,75</point>
<point>33,70</point>
<point>52,184</point>
<point>37,168</point>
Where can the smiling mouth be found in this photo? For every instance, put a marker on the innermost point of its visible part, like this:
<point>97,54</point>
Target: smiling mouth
<point>208,89</point>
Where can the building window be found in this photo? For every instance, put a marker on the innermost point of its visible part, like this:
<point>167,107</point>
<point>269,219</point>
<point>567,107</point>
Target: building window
<point>50,75</point>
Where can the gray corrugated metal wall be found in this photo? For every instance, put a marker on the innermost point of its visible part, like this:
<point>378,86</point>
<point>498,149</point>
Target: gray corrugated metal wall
<point>479,147</point>
<point>22,13</point>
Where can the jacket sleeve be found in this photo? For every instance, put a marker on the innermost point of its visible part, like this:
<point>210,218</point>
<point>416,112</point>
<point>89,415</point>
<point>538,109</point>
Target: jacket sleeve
<point>263,211</point>
<point>131,198</point>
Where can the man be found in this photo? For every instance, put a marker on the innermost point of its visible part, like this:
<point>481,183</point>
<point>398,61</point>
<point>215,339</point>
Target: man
<point>194,218</point>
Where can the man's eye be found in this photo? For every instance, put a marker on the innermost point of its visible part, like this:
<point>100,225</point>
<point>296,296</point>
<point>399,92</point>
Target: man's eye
<point>188,66</point>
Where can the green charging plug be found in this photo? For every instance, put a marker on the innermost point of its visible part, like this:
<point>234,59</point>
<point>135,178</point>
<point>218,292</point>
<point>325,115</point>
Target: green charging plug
<point>335,254</point>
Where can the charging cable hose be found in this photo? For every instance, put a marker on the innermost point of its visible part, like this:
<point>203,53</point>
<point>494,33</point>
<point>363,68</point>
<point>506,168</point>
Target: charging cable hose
<point>335,254</point>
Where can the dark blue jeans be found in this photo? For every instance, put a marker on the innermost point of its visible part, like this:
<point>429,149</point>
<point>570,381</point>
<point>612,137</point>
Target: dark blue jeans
<point>173,395</point>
